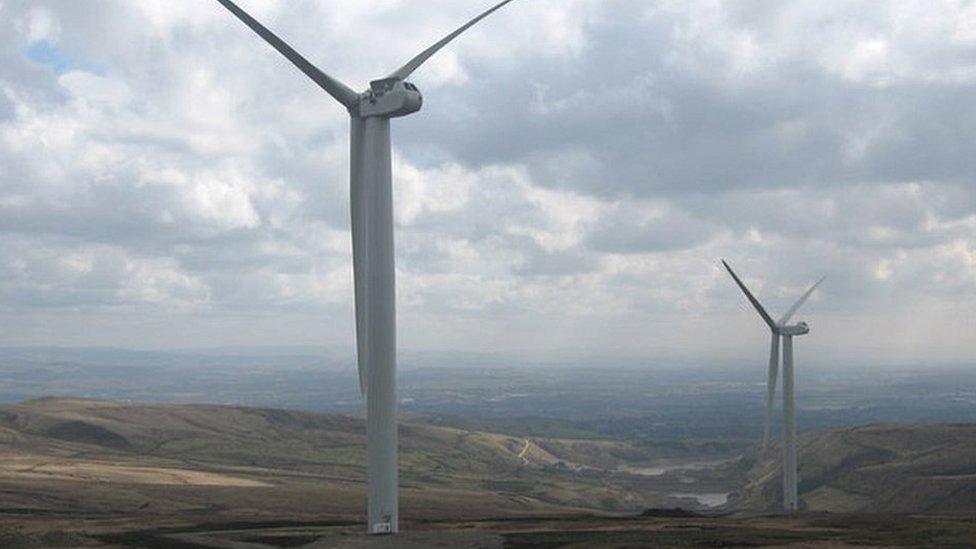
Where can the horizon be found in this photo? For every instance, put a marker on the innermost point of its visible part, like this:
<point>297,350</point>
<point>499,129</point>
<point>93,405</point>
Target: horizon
<point>419,359</point>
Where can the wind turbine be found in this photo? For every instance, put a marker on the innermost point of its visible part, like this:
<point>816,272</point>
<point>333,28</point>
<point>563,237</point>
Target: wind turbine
<point>371,197</point>
<point>781,328</point>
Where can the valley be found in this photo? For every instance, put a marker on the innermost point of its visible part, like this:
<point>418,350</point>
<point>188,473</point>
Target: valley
<point>78,472</point>
<point>489,458</point>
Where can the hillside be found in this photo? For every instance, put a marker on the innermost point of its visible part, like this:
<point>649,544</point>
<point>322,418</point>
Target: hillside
<point>98,473</point>
<point>70,456</point>
<point>895,468</point>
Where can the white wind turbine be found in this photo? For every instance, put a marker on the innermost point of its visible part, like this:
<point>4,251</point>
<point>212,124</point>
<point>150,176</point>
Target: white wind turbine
<point>371,197</point>
<point>783,329</point>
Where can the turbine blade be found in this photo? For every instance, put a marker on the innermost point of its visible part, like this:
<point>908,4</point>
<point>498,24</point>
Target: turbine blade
<point>799,302</point>
<point>335,88</point>
<point>358,201</point>
<point>773,374</point>
<point>405,71</point>
<point>752,299</point>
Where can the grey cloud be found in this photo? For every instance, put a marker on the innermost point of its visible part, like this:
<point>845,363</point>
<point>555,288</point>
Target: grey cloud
<point>654,122</point>
<point>539,262</point>
<point>882,217</point>
<point>630,230</point>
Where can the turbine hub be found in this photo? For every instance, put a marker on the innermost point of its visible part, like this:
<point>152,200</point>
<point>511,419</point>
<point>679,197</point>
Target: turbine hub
<point>390,98</point>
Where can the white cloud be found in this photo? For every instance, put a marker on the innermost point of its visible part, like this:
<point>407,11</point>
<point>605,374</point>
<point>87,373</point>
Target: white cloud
<point>577,170</point>
<point>39,24</point>
<point>445,189</point>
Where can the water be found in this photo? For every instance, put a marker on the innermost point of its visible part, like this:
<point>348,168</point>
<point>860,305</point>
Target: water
<point>714,499</point>
<point>662,469</point>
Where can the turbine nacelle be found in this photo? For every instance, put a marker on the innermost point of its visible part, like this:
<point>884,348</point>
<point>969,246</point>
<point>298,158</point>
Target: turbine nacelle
<point>389,98</point>
<point>800,328</point>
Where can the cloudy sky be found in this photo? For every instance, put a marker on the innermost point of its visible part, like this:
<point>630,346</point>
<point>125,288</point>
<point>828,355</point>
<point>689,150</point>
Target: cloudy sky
<point>168,180</point>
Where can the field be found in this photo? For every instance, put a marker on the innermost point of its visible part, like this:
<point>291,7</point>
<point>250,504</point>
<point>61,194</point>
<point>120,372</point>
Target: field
<point>551,531</point>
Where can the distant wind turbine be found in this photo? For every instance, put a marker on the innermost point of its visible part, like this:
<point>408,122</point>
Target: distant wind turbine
<point>783,329</point>
<point>371,197</point>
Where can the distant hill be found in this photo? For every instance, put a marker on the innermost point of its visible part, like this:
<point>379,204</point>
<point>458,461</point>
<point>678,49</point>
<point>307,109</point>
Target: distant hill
<point>897,468</point>
<point>82,456</point>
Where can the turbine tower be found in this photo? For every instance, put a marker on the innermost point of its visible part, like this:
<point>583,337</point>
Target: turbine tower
<point>781,328</point>
<point>371,197</point>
